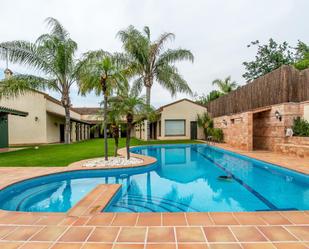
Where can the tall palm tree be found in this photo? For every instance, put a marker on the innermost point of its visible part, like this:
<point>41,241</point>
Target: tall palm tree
<point>114,118</point>
<point>226,85</point>
<point>53,55</point>
<point>132,106</point>
<point>102,73</point>
<point>151,62</point>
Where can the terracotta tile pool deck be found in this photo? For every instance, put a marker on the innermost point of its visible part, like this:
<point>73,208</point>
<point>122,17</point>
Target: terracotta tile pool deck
<point>84,226</point>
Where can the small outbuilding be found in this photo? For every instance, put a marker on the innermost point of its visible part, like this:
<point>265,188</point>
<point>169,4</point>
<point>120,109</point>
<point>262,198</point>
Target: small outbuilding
<point>177,120</point>
<point>4,126</point>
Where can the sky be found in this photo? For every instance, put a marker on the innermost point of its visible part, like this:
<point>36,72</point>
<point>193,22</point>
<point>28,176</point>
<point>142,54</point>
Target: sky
<point>216,31</point>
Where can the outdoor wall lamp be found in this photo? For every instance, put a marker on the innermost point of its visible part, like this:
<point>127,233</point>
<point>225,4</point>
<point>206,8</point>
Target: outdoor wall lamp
<point>278,116</point>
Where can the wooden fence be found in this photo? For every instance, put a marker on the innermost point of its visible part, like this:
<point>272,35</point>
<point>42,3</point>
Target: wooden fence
<point>286,84</point>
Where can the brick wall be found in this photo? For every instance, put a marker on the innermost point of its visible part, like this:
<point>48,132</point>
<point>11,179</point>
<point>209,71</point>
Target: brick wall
<point>237,129</point>
<point>268,130</point>
<point>259,129</point>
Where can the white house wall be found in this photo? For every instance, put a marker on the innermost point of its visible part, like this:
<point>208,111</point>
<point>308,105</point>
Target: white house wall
<point>58,109</point>
<point>42,125</point>
<point>30,129</point>
<point>53,128</point>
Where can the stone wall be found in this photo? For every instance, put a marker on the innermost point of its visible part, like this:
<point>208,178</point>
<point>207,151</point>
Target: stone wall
<point>260,129</point>
<point>237,130</point>
<point>268,130</point>
<point>294,146</point>
<point>298,140</point>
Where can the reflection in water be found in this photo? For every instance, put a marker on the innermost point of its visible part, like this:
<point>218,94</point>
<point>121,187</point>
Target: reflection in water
<point>149,187</point>
<point>67,192</point>
<point>182,203</point>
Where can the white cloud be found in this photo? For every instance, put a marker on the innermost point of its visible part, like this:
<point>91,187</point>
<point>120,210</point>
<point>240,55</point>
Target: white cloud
<point>217,32</point>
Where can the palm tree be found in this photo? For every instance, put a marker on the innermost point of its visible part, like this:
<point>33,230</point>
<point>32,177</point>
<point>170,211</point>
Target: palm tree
<point>102,73</point>
<point>132,106</point>
<point>114,118</point>
<point>53,55</point>
<point>150,62</point>
<point>205,99</point>
<point>226,85</point>
<point>205,121</point>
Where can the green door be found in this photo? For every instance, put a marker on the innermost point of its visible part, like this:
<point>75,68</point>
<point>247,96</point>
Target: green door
<point>193,130</point>
<point>4,136</point>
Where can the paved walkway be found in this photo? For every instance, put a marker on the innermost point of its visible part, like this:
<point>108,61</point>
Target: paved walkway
<point>286,230</point>
<point>294,163</point>
<point>84,226</point>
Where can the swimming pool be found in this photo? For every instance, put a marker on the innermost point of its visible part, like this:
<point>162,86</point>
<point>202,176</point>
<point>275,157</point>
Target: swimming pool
<point>185,178</point>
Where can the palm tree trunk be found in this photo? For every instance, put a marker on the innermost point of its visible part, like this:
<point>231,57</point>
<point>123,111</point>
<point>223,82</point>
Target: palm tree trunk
<point>115,131</point>
<point>116,146</point>
<point>129,125</point>
<point>67,126</point>
<point>105,128</point>
<point>128,142</point>
<point>148,95</point>
<point>66,103</point>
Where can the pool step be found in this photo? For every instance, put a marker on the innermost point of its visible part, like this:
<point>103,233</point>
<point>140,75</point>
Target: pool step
<point>140,203</point>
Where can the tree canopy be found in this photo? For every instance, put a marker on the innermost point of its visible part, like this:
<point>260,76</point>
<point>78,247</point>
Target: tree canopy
<point>226,85</point>
<point>205,99</point>
<point>151,61</point>
<point>273,55</point>
<point>53,55</point>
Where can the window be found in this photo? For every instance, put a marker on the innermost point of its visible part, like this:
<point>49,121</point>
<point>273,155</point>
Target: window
<point>175,127</point>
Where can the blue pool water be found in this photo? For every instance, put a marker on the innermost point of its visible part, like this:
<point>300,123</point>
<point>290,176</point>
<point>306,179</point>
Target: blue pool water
<point>184,179</point>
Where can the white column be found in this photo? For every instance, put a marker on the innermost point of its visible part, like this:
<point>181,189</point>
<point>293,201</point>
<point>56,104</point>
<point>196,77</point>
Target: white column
<point>83,132</point>
<point>78,132</point>
<point>145,130</point>
<point>73,132</point>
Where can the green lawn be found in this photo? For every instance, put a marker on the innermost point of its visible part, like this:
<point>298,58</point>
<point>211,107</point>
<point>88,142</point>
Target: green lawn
<point>63,155</point>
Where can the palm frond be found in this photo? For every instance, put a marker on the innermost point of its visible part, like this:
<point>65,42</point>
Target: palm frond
<point>174,55</point>
<point>137,85</point>
<point>20,84</point>
<point>98,64</point>
<point>169,78</point>
<point>163,38</point>
<point>56,28</point>
<point>25,53</point>
<point>226,85</point>
<point>147,32</point>
<point>149,63</point>
<point>135,44</point>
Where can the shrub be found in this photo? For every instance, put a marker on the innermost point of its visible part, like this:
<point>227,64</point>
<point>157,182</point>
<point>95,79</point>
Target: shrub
<point>217,135</point>
<point>301,127</point>
<point>303,64</point>
<point>207,123</point>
